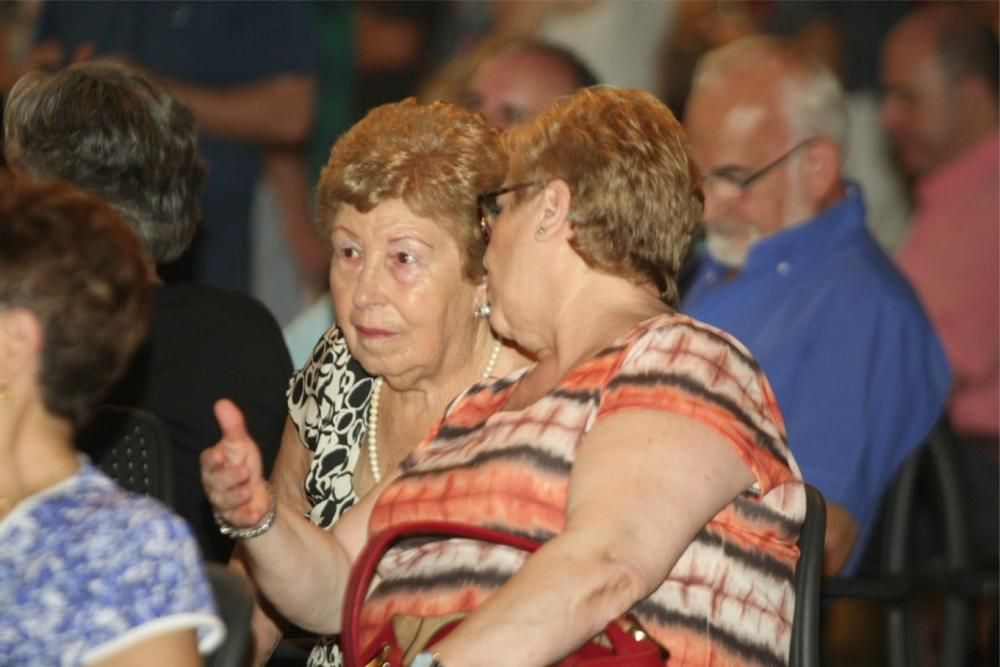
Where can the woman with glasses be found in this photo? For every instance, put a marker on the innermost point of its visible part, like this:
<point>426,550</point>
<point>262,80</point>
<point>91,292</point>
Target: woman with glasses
<point>397,202</point>
<point>89,574</point>
<point>645,449</point>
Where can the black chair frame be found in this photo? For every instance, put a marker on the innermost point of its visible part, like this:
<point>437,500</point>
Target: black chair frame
<point>235,603</point>
<point>805,644</point>
<point>900,583</point>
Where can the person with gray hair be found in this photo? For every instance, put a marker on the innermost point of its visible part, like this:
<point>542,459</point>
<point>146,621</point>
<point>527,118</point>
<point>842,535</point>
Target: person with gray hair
<point>108,129</point>
<point>791,270</point>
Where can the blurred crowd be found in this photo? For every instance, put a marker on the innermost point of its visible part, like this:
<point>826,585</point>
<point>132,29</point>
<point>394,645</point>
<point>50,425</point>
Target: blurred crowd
<point>274,84</point>
<point>884,114</point>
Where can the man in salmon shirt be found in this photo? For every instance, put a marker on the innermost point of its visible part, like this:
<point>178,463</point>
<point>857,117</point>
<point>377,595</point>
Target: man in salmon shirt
<point>939,72</point>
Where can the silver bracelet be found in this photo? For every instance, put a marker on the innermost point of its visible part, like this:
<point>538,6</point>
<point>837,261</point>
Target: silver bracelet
<point>262,526</point>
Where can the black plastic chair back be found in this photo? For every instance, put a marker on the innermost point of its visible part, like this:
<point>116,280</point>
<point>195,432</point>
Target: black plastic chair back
<point>235,603</point>
<point>805,646</point>
<point>940,470</point>
<point>902,577</point>
<point>133,448</point>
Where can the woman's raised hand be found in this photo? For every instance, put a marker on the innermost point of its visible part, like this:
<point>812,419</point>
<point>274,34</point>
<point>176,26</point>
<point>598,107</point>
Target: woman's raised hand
<point>232,472</point>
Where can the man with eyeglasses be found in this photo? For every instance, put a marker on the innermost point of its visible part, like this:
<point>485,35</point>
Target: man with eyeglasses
<point>791,269</point>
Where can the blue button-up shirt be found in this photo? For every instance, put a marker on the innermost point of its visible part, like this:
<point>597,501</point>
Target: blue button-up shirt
<point>857,368</point>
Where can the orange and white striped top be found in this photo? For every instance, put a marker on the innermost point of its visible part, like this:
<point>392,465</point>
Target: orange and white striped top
<point>730,597</point>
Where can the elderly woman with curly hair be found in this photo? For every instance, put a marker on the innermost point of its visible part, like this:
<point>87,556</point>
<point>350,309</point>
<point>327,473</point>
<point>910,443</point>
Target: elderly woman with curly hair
<point>89,574</point>
<point>643,448</point>
<point>397,201</point>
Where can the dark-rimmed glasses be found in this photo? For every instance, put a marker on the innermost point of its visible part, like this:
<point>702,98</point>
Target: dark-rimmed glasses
<point>727,185</point>
<point>489,209</point>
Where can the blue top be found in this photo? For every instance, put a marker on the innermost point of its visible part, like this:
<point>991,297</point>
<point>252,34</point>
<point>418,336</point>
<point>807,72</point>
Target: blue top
<point>857,368</point>
<point>87,570</point>
<point>214,44</point>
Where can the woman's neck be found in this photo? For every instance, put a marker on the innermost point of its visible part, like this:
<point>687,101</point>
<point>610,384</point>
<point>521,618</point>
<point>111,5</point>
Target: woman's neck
<point>465,361</point>
<point>590,319</point>
<point>37,450</point>
<point>595,316</point>
<point>407,412</point>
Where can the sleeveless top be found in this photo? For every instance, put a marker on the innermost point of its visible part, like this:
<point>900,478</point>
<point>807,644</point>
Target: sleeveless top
<point>328,402</point>
<point>730,597</point>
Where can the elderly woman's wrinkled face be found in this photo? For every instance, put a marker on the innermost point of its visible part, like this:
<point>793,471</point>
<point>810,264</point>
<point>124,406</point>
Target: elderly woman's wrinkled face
<point>399,293</point>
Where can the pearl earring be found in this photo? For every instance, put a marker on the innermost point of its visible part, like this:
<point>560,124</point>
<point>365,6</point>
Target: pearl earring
<point>482,311</point>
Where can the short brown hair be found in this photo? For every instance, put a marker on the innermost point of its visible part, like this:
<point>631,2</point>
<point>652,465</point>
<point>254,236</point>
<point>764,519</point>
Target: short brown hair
<point>435,157</point>
<point>74,262</point>
<point>636,199</point>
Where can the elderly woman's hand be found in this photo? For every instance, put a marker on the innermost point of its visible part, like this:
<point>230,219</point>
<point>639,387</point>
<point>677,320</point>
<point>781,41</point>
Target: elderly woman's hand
<point>232,472</point>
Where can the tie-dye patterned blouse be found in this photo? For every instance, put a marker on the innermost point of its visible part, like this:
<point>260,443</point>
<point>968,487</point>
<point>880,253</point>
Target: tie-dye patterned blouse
<point>729,599</point>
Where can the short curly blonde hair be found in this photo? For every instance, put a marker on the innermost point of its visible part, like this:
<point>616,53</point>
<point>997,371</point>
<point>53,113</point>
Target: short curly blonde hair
<point>636,197</point>
<point>435,157</point>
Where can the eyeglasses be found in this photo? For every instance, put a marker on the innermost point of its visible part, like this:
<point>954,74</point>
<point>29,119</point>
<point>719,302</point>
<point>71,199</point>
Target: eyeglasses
<point>489,209</point>
<point>726,185</point>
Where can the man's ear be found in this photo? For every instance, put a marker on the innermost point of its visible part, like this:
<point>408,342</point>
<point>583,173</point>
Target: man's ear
<point>553,218</point>
<point>21,339</point>
<point>974,102</point>
<point>821,168</point>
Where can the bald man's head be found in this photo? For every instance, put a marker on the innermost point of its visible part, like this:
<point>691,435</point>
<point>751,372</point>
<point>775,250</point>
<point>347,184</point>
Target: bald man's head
<point>522,80</point>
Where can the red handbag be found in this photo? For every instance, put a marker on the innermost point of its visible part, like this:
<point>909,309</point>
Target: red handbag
<point>625,646</point>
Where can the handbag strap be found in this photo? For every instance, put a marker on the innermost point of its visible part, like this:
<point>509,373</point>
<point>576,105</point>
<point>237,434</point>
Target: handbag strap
<point>365,566</point>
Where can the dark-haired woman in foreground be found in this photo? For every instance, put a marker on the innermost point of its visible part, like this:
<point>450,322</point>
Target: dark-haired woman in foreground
<point>89,574</point>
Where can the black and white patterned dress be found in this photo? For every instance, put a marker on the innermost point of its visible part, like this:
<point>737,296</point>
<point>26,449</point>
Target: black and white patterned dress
<point>328,401</point>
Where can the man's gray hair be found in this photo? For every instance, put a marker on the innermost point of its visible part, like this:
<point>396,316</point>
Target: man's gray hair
<point>815,100</point>
<point>109,130</point>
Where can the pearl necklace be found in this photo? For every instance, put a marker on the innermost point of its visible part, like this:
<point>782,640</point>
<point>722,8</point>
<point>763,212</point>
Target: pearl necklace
<point>372,427</point>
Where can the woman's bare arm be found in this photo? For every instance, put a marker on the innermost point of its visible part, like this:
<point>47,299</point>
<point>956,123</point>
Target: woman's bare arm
<point>288,483</point>
<point>643,484</point>
<point>290,469</point>
<point>178,648</point>
<point>307,589</point>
